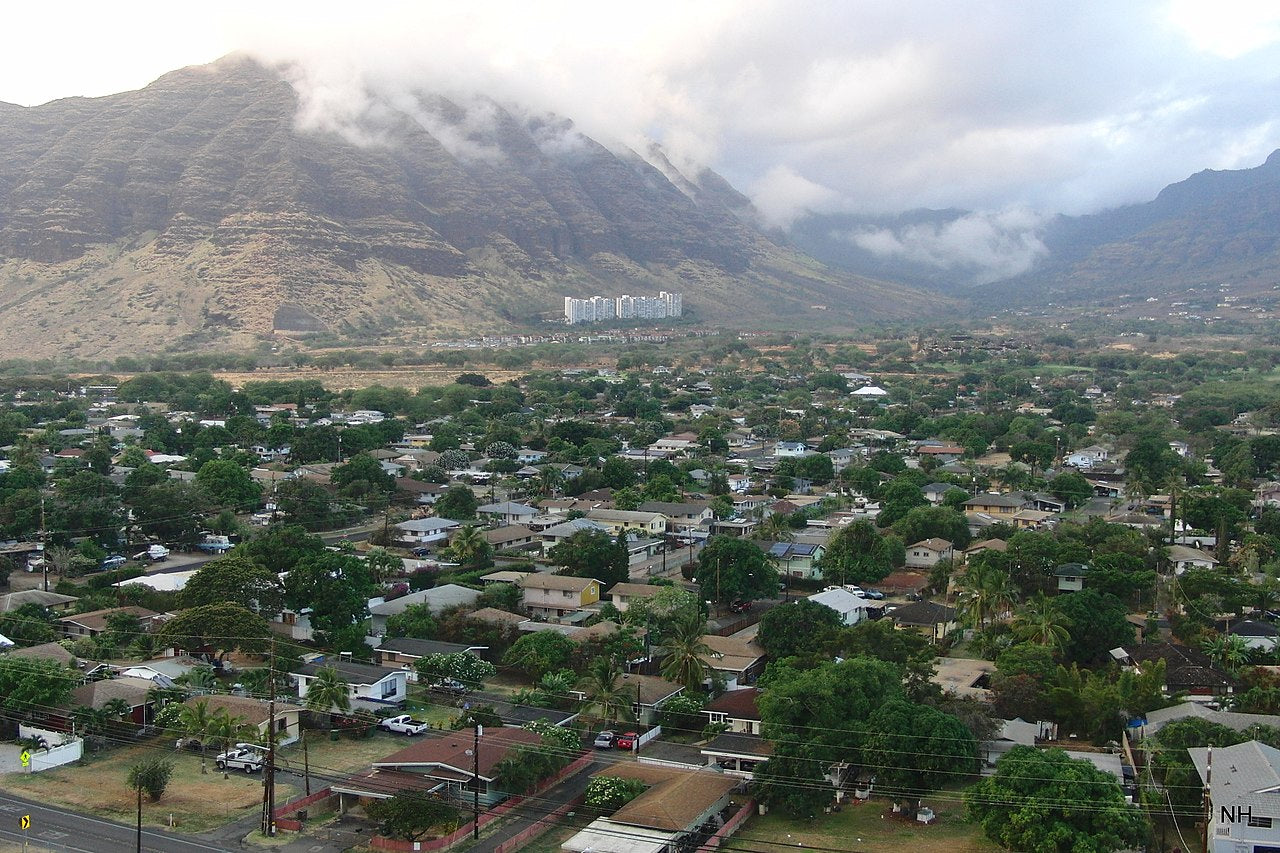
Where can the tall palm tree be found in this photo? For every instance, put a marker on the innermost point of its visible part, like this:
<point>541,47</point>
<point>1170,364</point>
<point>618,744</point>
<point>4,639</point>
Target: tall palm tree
<point>684,652</point>
<point>776,528</point>
<point>91,723</point>
<point>604,692</point>
<point>201,679</point>
<point>1229,651</point>
<point>1043,623</point>
<point>986,592</point>
<point>194,721</point>
<point>550,481</point>
<point>468,545</point>
<point>225,729</point>
<point>328,692</point>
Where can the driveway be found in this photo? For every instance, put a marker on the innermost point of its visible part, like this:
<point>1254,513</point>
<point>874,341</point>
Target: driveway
<point>9,761</point>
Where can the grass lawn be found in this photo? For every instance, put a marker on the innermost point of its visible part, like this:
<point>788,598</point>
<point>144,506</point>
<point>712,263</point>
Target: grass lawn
<point>964,649</point>
<point>870,827</point>
<point>329,758</point>
<point>97,786</point>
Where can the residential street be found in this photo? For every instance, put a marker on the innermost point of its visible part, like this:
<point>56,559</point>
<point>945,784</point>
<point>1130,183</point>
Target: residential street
<point>536,808</point>
<point>58,829</point>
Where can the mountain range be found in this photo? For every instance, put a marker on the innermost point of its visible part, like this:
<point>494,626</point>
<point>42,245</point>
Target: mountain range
<point>203,211</point>
<point>198,211</point>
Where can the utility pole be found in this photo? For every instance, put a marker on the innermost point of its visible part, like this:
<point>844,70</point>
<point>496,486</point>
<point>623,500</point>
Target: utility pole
<point>1208,800</point>
<point>306,763</point>
<point>475,785</point>
<point>269,777</point>
<point>139,818</point>
<point>44,547</point>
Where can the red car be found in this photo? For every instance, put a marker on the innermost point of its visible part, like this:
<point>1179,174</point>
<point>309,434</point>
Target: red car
<point>626,741</point>
<point>740,607</point>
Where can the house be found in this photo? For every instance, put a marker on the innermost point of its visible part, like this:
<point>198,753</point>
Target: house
<point>1071,576</point>
<point>1015,732</point>
<point>555,597</point>
<point>852,608</point>
<point>928,553</point>
<point>425,494</point>
<point>1033,519</point>
<point>1087,457</point>
<point>796,559</point>
<point>51,601</point>
<point>739,661</point>
<point>736,709</point>
<point>512,538</point>
<point>457,765</point>
<point>1158,719</point>
<point>557,533</point>
<point>650,692</point>
<point>435,599</point>
<point>1257,635</point>
<point>370,686</point>
<point>933,620</point>
<point>996,504</point>
<point>1184,558</point>
<point>666,817</point>
<point>426,532</point>
<point>1187,670</point>
<point>681,517</point>
<point>257,713</point>
<point>651,524</point>
<point>506,512</point>
<point>405,652</point>
<point>133,692</point>
<point>94,622</point>
<point>935,492</point>
<point>737,755</point>
<point>1267,494</point>
<point>985,545</point>
<point>1244,796</point>
<point>790,449</point>
<point>621,595</point>
<point>943,453</point>
<point>163,672</point>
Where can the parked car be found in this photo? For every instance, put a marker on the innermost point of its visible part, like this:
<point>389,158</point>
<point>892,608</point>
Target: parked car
<point>156,554</point>
<point>404,724</point>
<point>873,593</point>
<point>115,561</point>
<point>626,741</point>
<point>451,685</point>
<point>914,596</point>
<point>739,606</point>
<point>421,551</point>
<point>604,740</point>
<point>244,757</point>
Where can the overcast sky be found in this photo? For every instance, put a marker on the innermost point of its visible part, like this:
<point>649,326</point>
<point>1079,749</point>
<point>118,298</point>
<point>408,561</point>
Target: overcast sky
<point>1039,107</point>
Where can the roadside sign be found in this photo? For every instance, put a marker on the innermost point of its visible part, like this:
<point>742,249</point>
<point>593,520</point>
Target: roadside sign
<point>25,821</point>
<point>25,758</point>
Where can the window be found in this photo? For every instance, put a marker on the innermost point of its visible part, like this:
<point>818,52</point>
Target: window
<point>566,593</point>
<point>389,688</point>
<point>1260,822</point>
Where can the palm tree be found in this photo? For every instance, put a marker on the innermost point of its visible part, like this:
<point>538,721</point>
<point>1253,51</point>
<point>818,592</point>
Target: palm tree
<point>224,730</point>
<point>468,545</point>
<point>556,686</point>
<point>194,721</point>
<point>90,722</point>
<point>328,692</point>
<point>550,481</point>
<point>603,691</point>
<point>1043,623</point>
<point>201,679</point>
<point>1229,651</point>
<point>986,592</point>
<point>684,653</point>
<point>776,528</point>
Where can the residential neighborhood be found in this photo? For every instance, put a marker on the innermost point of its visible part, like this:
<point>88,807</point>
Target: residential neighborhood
<point>572,588</point>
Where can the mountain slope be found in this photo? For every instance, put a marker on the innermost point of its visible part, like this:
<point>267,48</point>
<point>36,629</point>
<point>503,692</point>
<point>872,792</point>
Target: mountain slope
<point>196,211</point>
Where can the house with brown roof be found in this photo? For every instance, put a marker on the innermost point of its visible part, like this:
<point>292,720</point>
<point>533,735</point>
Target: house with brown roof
<point>996,504</point>
<point>621,595</point>
<point>94,622</point>
<point>453,765</point>
<point>512,537</point>
<point>134,692</point>
<point>555,597</point>
<point>1187,670</point>
<point>676,801</point>
<point>740,661</point>
<point>928,553</point>
<point>929,618</point>
<point>736,709</point>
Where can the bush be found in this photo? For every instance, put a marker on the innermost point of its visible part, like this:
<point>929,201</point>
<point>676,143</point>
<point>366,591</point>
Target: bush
<point>610,793</point>
<point>151,777</point>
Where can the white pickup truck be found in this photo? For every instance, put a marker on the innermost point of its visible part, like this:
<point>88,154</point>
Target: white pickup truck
<point>404,724</point>
<point>244,757</point>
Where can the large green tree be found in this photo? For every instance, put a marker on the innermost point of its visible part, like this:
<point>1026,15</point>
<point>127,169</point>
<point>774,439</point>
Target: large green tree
<point>1045,800</point>
<point>731,569</point>
<point>236,579</point>
<point>538,653</point>
<point>226,484</point>
<point>218,628</point>
<point>458,503</point>
<point>916,750</point>
<point>1097,623</point>
<point>795,628</point>
<point>591,554</point>
<point>856,554</point>
<point>335,586</point>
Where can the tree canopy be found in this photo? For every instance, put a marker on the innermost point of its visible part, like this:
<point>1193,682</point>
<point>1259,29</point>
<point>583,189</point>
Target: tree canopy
<point>236,579</point>
<point>796,627</point>
<point>732,569</point>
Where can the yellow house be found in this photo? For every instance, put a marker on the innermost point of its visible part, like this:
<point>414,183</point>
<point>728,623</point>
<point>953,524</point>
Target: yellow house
<point>650,524</point>
<point>555,597</point>
<point>993,504</point>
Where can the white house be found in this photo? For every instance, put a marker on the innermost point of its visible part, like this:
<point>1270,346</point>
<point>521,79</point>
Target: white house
<point>426,531</point>
<point>928,553</point>
<point>1087,457</point>
<point>784,449</point>
<point>1184,558</point>
<point>852,608</point>
<point>368,685</point>
<point>1244,796</point>
<point>506,513</point>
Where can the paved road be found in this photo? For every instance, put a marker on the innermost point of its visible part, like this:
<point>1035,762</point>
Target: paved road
<point>674,560</point>
<point>58,829</point>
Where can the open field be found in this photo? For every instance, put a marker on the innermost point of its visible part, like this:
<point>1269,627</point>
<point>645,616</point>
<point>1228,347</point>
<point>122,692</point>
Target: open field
<point>870,827</point>
<point>97,786</point>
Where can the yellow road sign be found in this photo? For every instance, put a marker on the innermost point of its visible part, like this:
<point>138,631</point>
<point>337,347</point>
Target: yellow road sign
<point>25,758</point>
<point>25,821</point>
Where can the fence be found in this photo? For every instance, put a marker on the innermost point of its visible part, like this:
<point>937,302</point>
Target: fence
<point>56,757</point>
<point>291,824</point>
<point>517,841</point>
<point>731,826</point>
